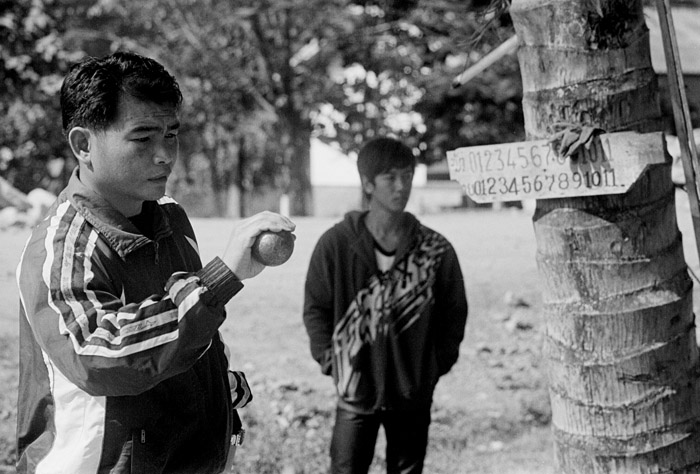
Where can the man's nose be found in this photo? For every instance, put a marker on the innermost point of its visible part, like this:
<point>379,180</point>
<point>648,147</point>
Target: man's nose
<point>164,154</point>
<point>402,183</point>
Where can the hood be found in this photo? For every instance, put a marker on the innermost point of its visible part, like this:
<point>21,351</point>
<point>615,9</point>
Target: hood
<point>354,223</point>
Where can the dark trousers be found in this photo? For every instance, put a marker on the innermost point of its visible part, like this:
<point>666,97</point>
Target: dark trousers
<point>355,436</point>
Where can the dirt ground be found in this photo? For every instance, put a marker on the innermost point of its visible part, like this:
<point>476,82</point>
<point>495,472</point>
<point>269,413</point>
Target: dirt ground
<point>491,412</point>
<point>493,404</point>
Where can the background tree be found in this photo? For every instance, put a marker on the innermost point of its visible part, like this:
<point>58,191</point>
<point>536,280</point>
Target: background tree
<point>195,40</point>
<point>399,66</point>
<point>32,63</point>
<point>620,336</point>
<point>261,78</point>
<point>488,108</point>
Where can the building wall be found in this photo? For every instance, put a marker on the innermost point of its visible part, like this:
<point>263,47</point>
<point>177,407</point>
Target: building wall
<point>335,201</point>
<point>433,197</point>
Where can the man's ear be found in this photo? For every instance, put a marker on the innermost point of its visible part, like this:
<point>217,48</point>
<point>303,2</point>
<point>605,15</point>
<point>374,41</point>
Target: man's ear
<point>80,139</point>
<point>367,185</point>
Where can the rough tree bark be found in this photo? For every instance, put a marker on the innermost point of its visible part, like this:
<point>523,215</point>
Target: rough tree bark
<point>620,340</point>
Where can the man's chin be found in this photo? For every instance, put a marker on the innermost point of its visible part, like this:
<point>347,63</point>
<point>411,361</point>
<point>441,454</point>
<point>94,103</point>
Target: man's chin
<point>400,205</point>
<point>156,190</point>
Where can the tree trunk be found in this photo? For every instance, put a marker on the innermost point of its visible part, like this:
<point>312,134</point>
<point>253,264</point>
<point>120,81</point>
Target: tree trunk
<point>620,344</point>
<point>242,178</point>
<point>218,188</point>
<point>297,147</point>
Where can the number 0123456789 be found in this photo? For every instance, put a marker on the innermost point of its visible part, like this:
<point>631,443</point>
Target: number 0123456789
<point>533,170</point>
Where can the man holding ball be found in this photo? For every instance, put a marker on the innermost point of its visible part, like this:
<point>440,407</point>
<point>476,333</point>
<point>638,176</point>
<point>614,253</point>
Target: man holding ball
<point>122,368</point>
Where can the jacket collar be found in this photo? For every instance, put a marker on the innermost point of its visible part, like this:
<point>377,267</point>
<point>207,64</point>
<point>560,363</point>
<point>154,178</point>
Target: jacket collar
<point>116,229</point>
<point>364,242</point>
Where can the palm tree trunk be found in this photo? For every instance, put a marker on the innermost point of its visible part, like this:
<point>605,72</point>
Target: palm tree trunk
<point>620,344</point>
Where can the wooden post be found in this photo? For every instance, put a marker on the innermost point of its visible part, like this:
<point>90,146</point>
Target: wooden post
<point>507,47</point>
<point>681,113</point>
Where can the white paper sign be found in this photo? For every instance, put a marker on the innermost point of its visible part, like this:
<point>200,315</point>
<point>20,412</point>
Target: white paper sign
<point>532,170</point>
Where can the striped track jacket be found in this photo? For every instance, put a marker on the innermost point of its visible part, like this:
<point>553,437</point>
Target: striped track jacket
<point>122,369</point>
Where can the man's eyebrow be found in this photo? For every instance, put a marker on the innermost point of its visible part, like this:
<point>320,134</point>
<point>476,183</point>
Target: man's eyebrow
<point>153,128</point>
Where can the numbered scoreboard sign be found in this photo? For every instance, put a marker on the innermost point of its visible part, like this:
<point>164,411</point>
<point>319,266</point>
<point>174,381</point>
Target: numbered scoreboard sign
<point>533,170</point>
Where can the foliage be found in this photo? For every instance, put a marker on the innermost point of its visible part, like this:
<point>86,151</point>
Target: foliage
<point>485,110</point>
<point>398,76</point>
<point>225,117</point>
<point>261,77</point>
<point>32,62</point>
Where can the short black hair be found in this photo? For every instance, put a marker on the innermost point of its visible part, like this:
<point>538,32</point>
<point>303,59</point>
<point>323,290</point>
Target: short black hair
<point>91,90</point>
<point>382,154</point>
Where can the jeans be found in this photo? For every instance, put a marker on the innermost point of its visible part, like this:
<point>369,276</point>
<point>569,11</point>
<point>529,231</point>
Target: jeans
<point>355,436</point>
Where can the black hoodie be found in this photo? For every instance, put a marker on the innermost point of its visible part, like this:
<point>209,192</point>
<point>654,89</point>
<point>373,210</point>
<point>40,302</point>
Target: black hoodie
<point>385,337</point>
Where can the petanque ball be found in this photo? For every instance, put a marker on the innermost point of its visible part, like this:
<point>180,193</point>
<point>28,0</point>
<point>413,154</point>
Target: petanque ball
<point>273,248</point>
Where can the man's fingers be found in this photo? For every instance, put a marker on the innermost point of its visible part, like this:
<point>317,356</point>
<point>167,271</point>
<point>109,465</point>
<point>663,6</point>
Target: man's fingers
<point>237,254</point>
<point>250,227</point>
<point>272,221</point>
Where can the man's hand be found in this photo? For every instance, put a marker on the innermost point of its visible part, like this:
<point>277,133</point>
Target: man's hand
<point>237,255</point>
<point>569,138</point>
